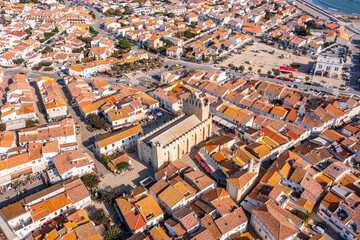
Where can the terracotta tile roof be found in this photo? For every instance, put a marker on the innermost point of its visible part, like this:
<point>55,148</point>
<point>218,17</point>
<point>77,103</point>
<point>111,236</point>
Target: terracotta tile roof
<point>203,234</point>
<point>43,209</point>
<point>199,180</point>
<point>134,220</point>
<point>311,185</point>
<point>87,231</point>
<point>240,179</point>
<point>14,210</point>
<point>209,224</point>
<point>157,233</point>
<point>277,220</point>
<point>171,196</point>
<point>331,201</point>
<point>148,208</point>
<point>231,220</point>
<point>188,218</point>
<point>332,134</point>
<point>224,205</point>
<point>106,140</point>
<point>215,194</point>
<point>76,190</point>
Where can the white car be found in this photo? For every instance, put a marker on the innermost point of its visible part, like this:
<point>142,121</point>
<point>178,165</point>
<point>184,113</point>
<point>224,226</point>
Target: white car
<point>318,229</point>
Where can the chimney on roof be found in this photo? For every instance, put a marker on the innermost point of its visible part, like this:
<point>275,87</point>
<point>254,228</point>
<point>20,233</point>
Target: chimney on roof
<point>251,166</point>
<point>165,175</point>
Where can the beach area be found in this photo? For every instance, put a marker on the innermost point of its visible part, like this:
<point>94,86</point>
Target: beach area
<point>351,20</point>
<point>354,21</point>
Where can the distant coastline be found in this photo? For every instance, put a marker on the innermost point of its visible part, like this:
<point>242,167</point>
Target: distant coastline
<point>341,7</point>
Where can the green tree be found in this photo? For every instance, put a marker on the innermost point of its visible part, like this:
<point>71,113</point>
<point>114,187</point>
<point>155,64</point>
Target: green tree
<point>18,61</point>
<point>47,49</point>
<point>327,44</point>
<point>2,127</point>
<point>31,123</point>
<point>268,15</point>
<point>231,66</point>
<point>259,71</point>
<point>78,50</point>
<point>101,217</point>
<point>93,31</point>
<point>189,34</point>
<point>302,31</point>
<point>105,158</point>
<point>276,73</point>
<point>28,30</point>
<point>96,121</point>
<point>269,72</point>
<point>241,68</point>
<point>109,197</point>
<point>250,68</point>
<point>122,166</point>
<point>307,78</point>
<point>171,15</point>
<point>124,44</point>
<point>303,216</point>
<point>113,233</point>
<point>91,181</point>
<point>91,13</point>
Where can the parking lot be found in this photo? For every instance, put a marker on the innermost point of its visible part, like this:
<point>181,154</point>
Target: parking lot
<point>261,58</point>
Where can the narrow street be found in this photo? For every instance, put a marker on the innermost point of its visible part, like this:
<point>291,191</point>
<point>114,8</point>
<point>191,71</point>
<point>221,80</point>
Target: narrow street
<point>85,137</point>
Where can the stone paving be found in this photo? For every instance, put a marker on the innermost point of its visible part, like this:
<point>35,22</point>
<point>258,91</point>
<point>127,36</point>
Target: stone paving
<point>128,179</point>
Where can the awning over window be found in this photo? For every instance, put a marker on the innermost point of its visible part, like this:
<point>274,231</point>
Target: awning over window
<point>203,164</point>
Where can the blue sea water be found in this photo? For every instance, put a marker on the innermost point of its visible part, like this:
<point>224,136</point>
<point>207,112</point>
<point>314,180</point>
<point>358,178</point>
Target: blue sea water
<point>339,6</point>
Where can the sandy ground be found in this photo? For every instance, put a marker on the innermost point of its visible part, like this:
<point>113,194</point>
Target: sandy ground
<point>268,62</point>
<point>328,82</point>
<point>353,20</point>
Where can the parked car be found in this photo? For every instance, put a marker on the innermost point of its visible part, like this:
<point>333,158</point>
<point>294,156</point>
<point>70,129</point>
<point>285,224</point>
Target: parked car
<point>319,228</point>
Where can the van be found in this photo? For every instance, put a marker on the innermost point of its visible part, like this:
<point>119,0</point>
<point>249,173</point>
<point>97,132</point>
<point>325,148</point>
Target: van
<point>297,80</point>
<point>249,62</point>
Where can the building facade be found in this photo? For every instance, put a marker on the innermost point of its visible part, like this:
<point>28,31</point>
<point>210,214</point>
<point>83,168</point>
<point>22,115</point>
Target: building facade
<point>176,138</point>
<point>329,66</point>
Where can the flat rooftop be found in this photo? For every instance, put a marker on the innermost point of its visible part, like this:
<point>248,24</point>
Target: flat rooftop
<point>174,130</point>
<point>330,59</point>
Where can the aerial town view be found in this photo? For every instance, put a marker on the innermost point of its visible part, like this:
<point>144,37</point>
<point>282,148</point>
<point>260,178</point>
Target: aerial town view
<point>179,119</point>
